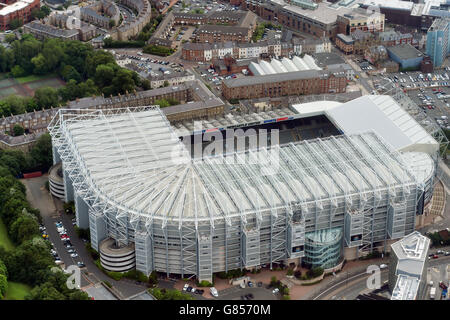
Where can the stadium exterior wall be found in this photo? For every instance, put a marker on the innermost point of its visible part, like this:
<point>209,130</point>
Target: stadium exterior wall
<point>178,250</point>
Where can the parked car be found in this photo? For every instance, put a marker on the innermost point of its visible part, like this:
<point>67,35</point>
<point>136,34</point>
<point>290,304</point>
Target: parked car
<point>383,266</point>
<point>80,264</point>
<point>275,291</point>
<point>214,292</point>
<point>74,255</point>
<point>250,284</point>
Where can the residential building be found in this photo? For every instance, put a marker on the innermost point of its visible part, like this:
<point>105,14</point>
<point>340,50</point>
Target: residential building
<point>438,41</point>
<point>172,79</point>
<point>345,43</point>
<point>42,31</point>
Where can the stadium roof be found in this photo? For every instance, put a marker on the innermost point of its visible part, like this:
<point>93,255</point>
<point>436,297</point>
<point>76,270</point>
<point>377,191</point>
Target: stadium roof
<point>379,113</point>
<point>133,162</point>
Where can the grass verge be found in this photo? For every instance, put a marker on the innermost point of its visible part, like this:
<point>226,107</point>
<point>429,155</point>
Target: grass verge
<point>4,240</point>
<point>17,291</point>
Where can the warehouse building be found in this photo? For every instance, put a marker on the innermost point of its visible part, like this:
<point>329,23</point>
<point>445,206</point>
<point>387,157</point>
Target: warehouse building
<point>406,56</point>
<point>273,84</point>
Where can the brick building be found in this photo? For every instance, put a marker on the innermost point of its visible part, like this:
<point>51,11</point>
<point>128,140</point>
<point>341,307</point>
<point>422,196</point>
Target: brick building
<point>220,33</point>
<point>20,10</point>
<point>345,43</point>
<point>285,84</point>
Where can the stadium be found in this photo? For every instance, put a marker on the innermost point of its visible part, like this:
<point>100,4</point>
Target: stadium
<point>340,183</point>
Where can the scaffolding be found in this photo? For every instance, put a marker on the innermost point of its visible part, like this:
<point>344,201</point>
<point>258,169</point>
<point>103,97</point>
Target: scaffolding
<point>194,217</point>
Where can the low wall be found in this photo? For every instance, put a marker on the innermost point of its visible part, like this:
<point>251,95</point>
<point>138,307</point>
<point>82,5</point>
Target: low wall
<point>306,282</point>
<point>334,269</point>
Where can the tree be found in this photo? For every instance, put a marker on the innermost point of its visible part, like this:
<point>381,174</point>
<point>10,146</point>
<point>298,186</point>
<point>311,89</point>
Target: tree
<point>24,228</point>
<point>15,23</point>
<point>10,37</point>
<point>153,278</point>
<point>163,103</point>
<point>104,75</point>
<point>273,281</point>
<point>3,286</point>
<point>18,130</point>
<point>41,153</point>
<point>7,59</point>
<point>68,72</point>
<point>45,292</point>
<point>46,97</point>
<point>112,23</point>
<point>17,71</point>
<point>166,83</point>
<point>123,81</point>
<point>40,64</point>
<point>146,84</point>
<point>46,10</point>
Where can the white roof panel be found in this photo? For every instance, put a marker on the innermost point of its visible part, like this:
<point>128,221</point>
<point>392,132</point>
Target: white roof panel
<point>383,115</point>
<point>153,175</point>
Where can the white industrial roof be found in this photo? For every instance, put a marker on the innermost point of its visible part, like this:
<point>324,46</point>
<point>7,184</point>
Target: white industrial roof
<point>383,115</point>
<point>406,288</point>
<point>301,65</point>
<point>256,69</point>
<point>315,108</point>
<point>283,66</point>
<point>411,252</point>
<point>267,67</point>
<point>15,7</point>
<point>133,162</point>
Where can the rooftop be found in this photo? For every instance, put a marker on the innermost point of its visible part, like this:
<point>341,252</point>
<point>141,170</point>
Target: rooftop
<point>161,181</point>
<point>405,51</point>
<point>19,5</point>
<point>324,13</point>
<point>279,77</point>
<point>406,288</point>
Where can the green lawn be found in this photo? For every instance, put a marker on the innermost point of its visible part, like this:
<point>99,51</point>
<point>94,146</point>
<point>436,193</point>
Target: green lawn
<point>17,291</point>
<point>33,77</point>
<point>4,240</point>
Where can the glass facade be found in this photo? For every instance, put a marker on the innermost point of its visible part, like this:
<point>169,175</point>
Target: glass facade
<point>323,248</point>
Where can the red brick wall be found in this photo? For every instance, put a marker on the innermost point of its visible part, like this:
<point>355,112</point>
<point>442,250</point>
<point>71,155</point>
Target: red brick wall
<point>292,87</point>
<point>23,15</point>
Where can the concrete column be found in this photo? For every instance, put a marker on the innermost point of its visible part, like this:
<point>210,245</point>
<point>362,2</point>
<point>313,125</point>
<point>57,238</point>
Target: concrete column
<point>56,156</point>
<point>144,253</point>
<point>68,186</point>
<point>97,226</point>
<point>81,212</point>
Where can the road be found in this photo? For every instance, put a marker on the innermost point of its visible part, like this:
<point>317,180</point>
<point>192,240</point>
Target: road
<point>349,289</point>
<point>39,198</point>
